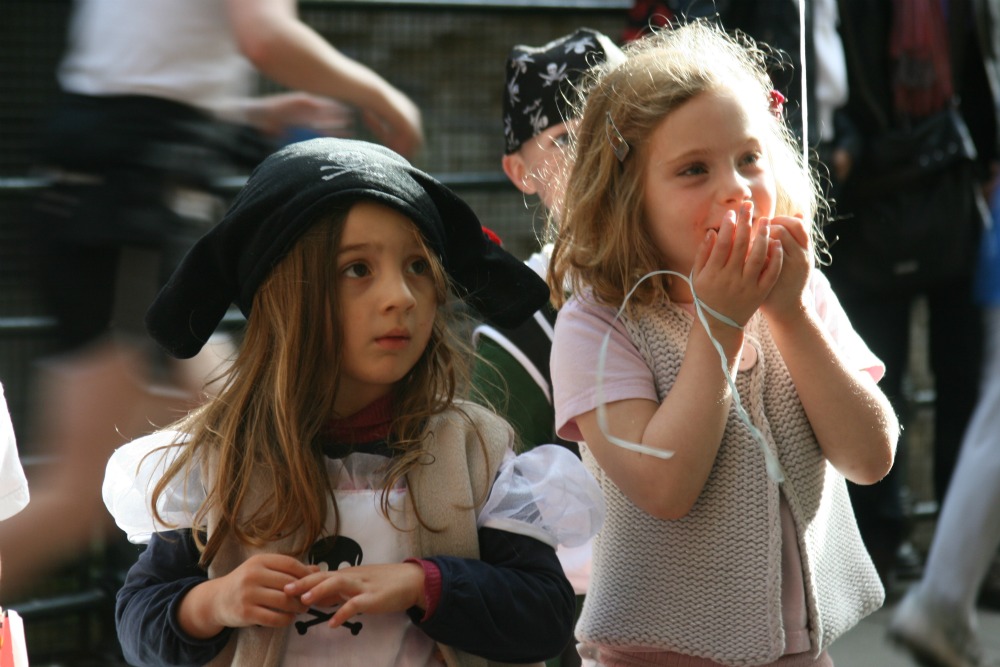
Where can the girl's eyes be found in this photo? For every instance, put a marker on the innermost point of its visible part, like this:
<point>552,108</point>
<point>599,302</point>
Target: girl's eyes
<point>694,170</point>
<point>356,270</point>
<point>561,140</point>
<point>420,266</point>
<point>750,159</point>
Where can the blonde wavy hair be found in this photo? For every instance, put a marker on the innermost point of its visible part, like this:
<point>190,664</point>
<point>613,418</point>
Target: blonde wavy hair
<point>602,242</point>
<point>262,431</point>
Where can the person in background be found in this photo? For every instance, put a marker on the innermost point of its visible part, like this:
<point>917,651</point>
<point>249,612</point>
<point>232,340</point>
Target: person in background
<point>936,620</point>
<point>158,104</point>
<point>511,372</point>
<point>539,86</point>
<point>902,236</point>
<point>14,493</point>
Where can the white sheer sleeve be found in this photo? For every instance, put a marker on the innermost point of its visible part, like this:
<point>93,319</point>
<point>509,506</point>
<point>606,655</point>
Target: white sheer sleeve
<point>129,480</point>
<point>545,493</point>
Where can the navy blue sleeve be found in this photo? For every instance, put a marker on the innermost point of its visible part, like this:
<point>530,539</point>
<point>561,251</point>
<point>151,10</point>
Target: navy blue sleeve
<point>513,605</point>
<point>146,607</point>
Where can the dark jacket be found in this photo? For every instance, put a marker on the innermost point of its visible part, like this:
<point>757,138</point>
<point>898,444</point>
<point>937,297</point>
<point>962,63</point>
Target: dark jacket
<point>864,29</point>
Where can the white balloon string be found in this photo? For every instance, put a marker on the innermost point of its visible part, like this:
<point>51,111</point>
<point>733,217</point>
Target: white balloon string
<point>804,95</point>
<point>771,461</point>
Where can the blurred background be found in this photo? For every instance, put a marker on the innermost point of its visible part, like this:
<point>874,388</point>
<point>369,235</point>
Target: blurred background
<point>449,58</point>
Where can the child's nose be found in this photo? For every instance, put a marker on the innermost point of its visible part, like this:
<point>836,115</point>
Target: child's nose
<point>736,188</point>
<point>398,292</point>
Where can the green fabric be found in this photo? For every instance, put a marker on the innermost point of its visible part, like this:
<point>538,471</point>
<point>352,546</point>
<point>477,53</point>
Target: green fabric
<point>501,382</point>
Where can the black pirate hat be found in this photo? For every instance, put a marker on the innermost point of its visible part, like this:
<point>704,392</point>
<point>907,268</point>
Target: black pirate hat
<point>540,79</point>
<point>291,190</point>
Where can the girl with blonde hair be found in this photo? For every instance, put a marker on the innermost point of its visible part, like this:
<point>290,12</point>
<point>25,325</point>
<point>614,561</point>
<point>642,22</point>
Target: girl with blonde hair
<point>717,389</point>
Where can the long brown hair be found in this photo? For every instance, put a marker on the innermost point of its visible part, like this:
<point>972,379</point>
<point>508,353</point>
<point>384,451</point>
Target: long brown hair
<point>261,432</point>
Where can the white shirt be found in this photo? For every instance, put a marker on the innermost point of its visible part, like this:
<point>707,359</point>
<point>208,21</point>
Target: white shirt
<point>181,50</point>
<point>13,484</point>
<point>831,65</point>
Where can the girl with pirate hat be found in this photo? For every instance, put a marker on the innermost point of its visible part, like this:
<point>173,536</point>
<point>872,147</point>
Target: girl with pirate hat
<point>340,438</point>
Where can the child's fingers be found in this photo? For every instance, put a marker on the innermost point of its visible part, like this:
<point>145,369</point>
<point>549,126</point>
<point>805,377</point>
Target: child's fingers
<point>287,565</point>
<point>306,583</point>
<point>259,606</point>
<point>795,226</point>
<point>723,246</point>
<point>351,608</point>
<point>291,604</point>
<point>757,257</point>
<point>775,260</point>
<point>330,588</point>
<point>316,589</point>
<point>704,251</point>
<point>744,227</point>
<point>272,618</point>
<point>278,602</point>
<point>790,240</point>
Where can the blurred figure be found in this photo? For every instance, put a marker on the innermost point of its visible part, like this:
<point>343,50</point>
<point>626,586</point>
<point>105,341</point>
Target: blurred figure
<point>923,81</point>
<point>13,485</point>
<point>157,105</point>
<point>512,368</point>
<point>936,621</point>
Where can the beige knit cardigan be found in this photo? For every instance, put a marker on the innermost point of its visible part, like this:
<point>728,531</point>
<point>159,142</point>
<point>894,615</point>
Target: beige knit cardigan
<point>709,584</point>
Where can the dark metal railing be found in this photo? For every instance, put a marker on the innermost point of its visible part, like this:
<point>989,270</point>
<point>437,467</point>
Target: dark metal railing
<point>24,326</point>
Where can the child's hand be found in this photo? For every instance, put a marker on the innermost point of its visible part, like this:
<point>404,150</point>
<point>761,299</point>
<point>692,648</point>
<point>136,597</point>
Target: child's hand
<point>786,297</point>
<point>372,589</point>
<point>252,594</point>
<point>735,269</point>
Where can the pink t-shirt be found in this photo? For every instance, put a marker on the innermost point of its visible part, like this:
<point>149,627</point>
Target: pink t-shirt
<point>582,325</point>
<point>580,330</point>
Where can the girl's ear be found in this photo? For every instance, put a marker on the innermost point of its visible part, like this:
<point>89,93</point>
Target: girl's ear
<point>517,172</point>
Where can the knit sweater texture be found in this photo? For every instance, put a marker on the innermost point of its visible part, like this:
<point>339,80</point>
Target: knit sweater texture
<point>709,584</point>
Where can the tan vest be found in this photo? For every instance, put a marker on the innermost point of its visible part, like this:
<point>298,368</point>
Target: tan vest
<point>448,494</point>
<point>709,584</point>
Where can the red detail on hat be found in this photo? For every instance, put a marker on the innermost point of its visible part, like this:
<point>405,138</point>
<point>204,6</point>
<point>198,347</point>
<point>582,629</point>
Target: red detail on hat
<point>492,236</point>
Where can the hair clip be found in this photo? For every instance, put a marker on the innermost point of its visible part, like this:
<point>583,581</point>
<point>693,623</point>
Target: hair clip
<point>615,138</point>
<point>777,103</point>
